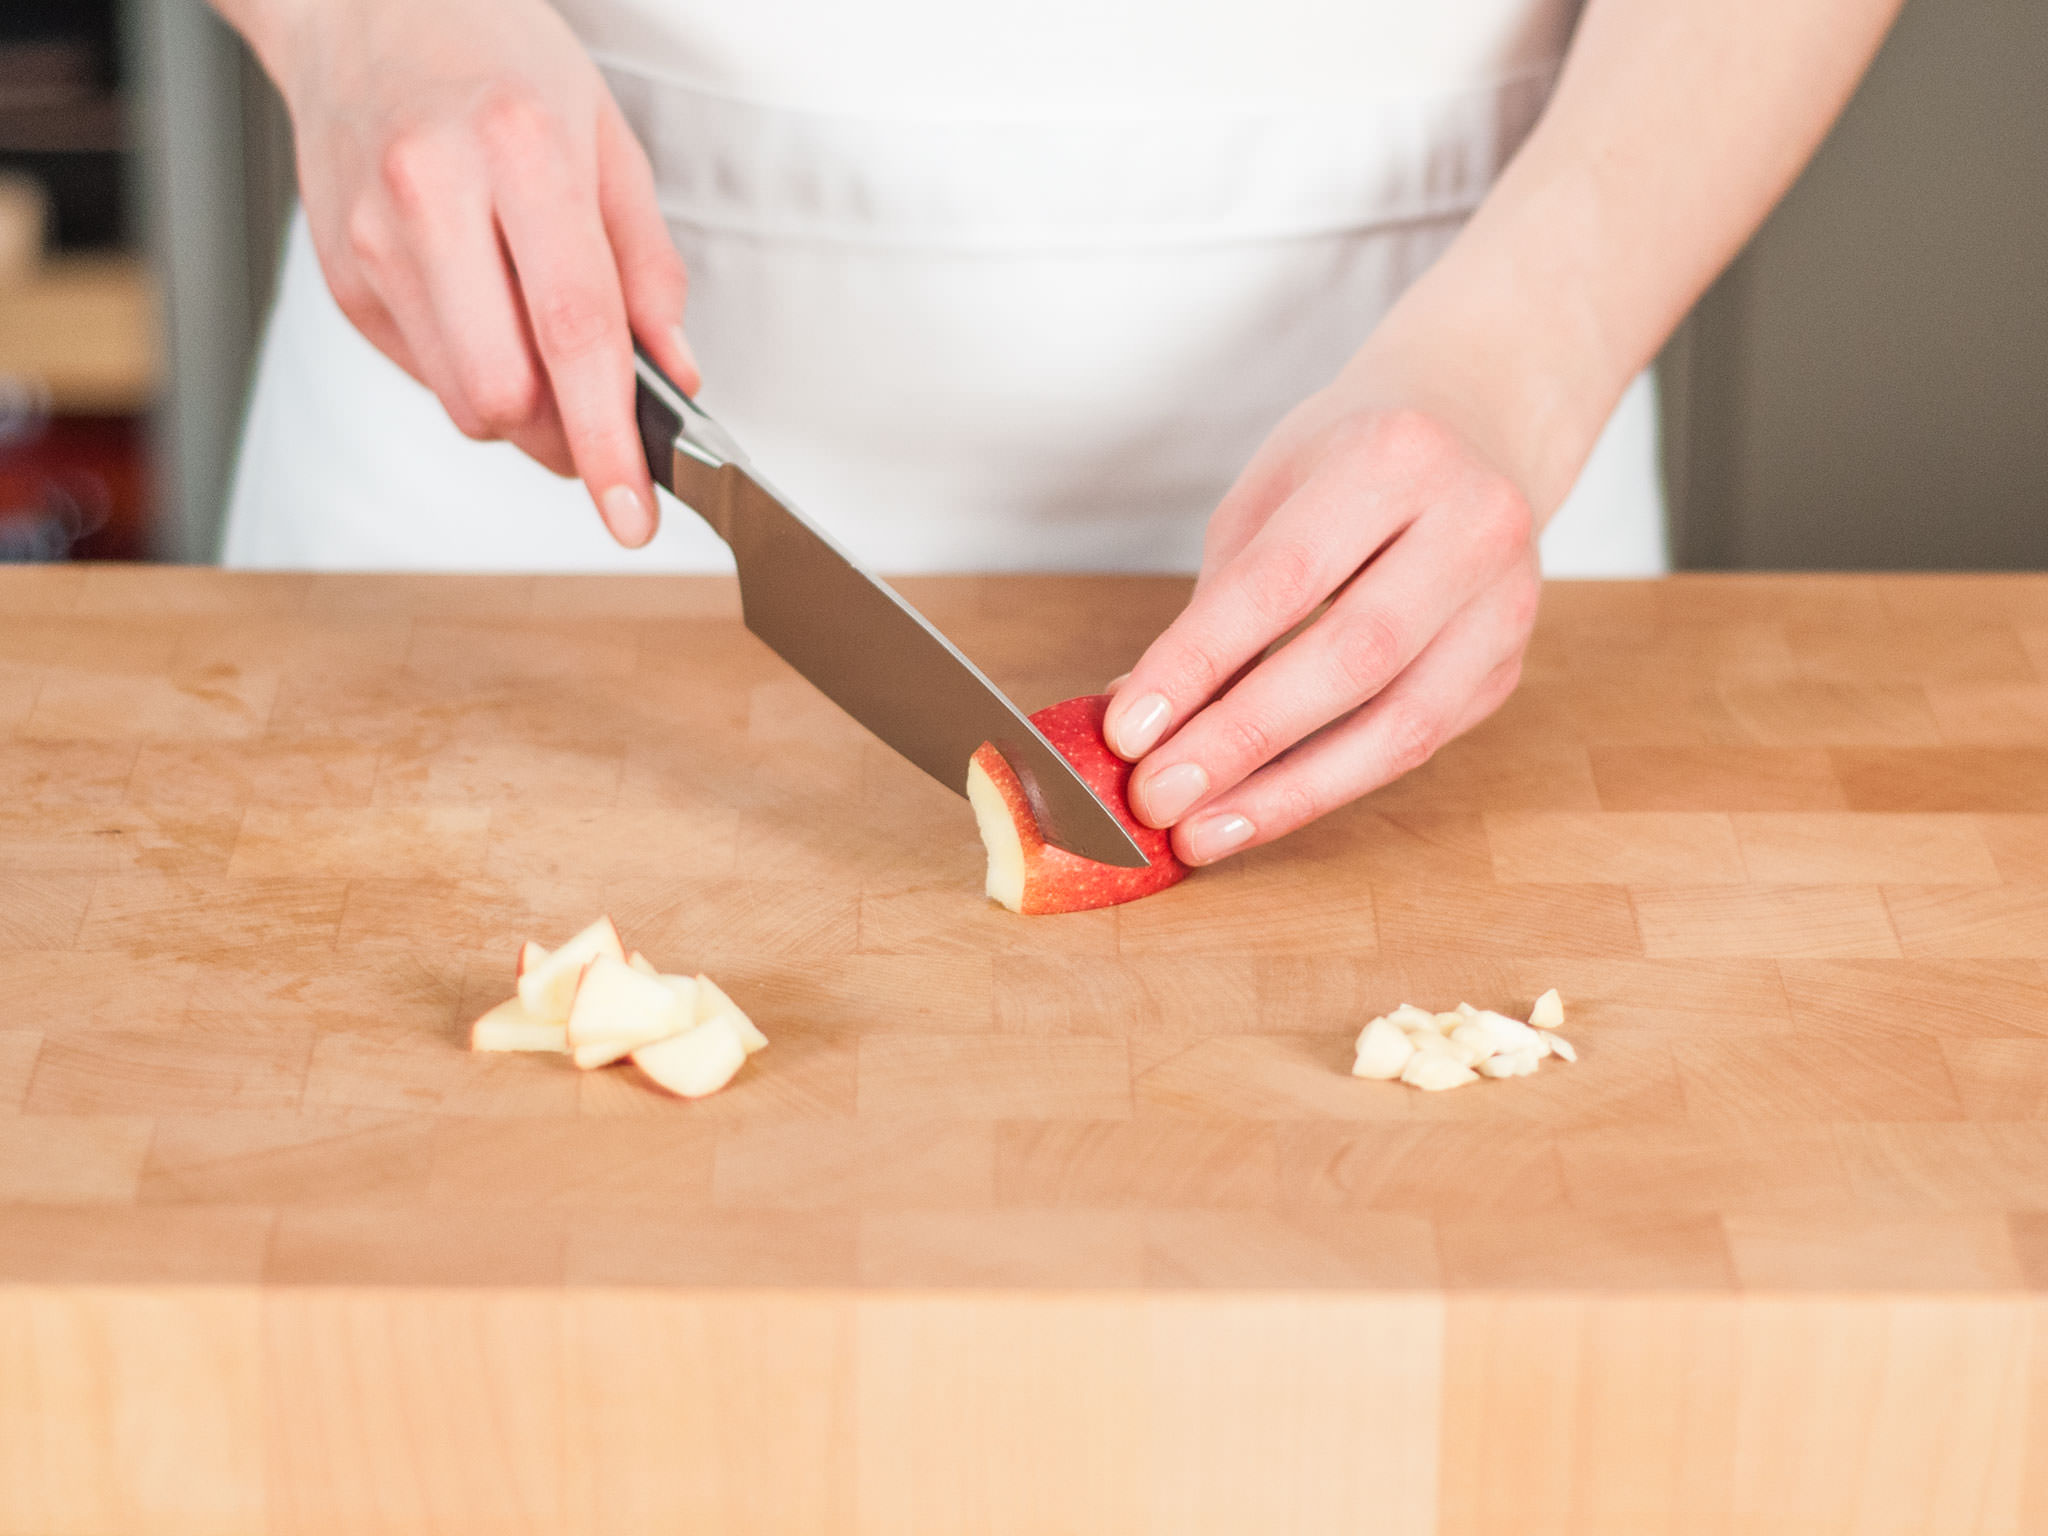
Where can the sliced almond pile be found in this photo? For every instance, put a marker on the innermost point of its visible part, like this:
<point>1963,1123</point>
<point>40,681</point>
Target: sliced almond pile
<point>595,1003</point>
<point>1435,1051</point>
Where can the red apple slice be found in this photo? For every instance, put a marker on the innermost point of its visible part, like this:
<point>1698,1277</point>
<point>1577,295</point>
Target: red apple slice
<point>617,1009</point>
<point>1028,874</point>
<point>509,1027</point>
<point>696,1062</point>
<point>549,988</point>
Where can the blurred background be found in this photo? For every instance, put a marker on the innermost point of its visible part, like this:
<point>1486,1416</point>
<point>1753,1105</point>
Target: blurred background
<point>1867,387</point>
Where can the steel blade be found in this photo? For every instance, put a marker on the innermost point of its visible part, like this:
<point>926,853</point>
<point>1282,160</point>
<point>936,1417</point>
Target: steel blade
<point>855,637</point>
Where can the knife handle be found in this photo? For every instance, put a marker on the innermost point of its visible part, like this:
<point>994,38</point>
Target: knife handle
<point>689,454</point>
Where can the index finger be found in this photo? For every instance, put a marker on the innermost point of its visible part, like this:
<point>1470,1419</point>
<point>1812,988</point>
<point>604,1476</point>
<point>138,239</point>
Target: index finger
<point>547,200</point>
<point>1314,542</point>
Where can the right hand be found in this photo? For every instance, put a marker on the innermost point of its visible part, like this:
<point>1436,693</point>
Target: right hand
<point>486,218</point>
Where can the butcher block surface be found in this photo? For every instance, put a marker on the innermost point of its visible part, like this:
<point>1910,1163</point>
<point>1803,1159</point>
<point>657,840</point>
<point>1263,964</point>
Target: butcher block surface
<point>1069,1223</point>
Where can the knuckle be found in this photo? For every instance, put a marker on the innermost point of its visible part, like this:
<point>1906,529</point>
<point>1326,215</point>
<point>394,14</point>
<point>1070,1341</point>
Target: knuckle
<point>1366,651</point>
<point>1412,438</point>
<point>504,400</point>
<point>352,296</point>
<point>412,169</point>
<point>367,239</point>
<point>466,420</point>
<point>1503,681</point>
<point>1195,671</point>
<point>570,322</point>
<point>1506,522</point>
<point>514,119</point>
<point>1412,739</point>
<point>1296,800</point>
<point>662,270</point>
<point>1288,582</point>
<point>1249,739</point>
<point>1523,600</point>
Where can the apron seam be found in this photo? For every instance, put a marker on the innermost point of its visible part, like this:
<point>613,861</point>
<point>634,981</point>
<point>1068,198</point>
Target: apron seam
<point>1110,237</point>
<point>1067,113</point>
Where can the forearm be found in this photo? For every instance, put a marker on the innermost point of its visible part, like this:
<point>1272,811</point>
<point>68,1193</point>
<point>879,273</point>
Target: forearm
<point>1675,127</point>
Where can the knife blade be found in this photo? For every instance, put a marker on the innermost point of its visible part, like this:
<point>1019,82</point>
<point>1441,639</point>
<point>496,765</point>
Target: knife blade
<point>854,636</point>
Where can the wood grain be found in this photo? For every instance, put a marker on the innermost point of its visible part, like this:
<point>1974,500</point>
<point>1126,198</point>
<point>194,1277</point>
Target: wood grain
<point>1072,1224</point>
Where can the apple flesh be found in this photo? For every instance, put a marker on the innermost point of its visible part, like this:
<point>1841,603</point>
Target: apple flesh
<point>509,1027</point>
<point>700,1060</point>
<point>549,988</point>
<point>1025,872</point>
<point>599,1004</point>
<point>712,1003</point>
<point>617,1009</point>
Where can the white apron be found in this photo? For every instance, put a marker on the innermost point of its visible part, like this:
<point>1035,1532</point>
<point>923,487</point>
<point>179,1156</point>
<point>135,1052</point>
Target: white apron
<point>983,287</point>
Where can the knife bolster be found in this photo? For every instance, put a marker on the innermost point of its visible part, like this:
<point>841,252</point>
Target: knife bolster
<point>706,490</point>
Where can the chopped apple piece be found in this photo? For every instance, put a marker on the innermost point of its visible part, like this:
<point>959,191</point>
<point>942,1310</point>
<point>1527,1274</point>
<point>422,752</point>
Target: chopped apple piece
<point>530,955</point>
<point>1476,1040</point>
<point>617,1009</point>
<point>1434,1071</point>
<point>685,990</point>
<point>642,964</point>
<point>698,1061</point>
<point>1435,1051</point>
<point>1411,1018</point>
<point>712,1003</point>
<point>1507,1034</point>
<point>509,1027</point>
<point>1509,1064</point>
<point>549,989</point>
<point>1383,1050</point>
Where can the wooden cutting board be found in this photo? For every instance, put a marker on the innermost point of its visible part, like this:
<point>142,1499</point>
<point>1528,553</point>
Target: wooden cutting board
<point>1022,1225</point>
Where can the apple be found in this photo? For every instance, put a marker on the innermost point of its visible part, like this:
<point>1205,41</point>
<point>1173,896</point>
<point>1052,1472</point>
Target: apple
<point>642,964</point>
<point>712,1003</point>
<point>1025,872</point>
<point>530,955</point>
<point>549,988</point>
<point>698,1061</point>
<point>509,1027</point>
<point>618,1008</point>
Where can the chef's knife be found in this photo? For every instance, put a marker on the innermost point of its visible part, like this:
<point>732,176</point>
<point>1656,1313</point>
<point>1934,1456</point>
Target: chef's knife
<point>849,632</point>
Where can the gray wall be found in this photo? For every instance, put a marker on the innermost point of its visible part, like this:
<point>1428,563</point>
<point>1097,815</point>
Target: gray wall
<point>1868,386</point>
<point>214,163</point>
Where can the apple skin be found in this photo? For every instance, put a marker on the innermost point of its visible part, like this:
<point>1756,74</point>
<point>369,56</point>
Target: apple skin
<point>1054,880</point>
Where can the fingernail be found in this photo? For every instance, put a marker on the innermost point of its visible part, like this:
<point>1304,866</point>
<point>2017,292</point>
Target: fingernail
<point>631,519</point>
<point>683,346</point>
<point>1138,726</point>
<point>1167,794</point>
<point>1116,682</point>
<point>1214,836</point>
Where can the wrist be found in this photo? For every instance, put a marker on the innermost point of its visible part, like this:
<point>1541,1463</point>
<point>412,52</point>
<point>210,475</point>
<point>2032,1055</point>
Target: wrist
<point>1503,341</point>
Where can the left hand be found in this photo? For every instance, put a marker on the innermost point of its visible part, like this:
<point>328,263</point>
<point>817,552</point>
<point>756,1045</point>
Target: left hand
<point>1426,556</point>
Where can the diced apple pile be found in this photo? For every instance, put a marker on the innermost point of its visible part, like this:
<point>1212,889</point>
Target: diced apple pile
<point>593,1002</point>
<point>1435,1051</point>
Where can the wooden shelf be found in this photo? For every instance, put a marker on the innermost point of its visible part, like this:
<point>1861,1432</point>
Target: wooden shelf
<point>85,328</point>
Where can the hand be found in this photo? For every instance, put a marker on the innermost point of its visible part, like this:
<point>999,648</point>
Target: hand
<point>486,218</point>
<point>1426,559</point>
